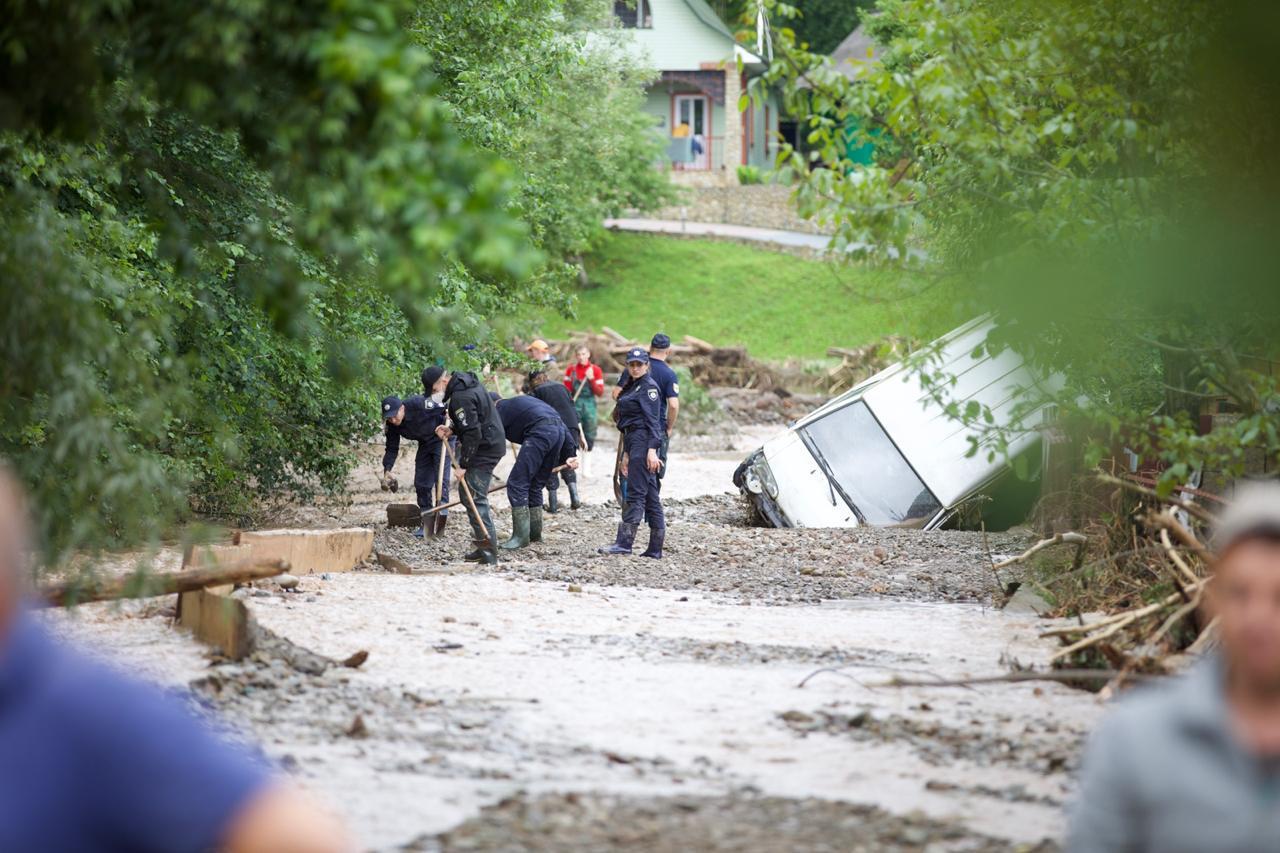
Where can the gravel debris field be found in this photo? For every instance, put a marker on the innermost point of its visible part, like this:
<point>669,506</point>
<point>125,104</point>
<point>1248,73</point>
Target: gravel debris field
<point>563,700</point>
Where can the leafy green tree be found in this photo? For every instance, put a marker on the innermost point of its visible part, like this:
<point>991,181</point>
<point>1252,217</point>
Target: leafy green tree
<point>1098,173</point>
<point>212,215</point>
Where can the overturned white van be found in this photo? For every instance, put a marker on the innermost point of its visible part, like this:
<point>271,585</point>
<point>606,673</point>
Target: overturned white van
<point>886,453</point>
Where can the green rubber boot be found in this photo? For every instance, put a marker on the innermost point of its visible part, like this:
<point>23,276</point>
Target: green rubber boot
<point>535,523</point>
<point>519,528</point>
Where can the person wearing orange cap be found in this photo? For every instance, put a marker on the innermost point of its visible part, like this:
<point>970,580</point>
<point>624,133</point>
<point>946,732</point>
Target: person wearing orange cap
<point>540,352</point>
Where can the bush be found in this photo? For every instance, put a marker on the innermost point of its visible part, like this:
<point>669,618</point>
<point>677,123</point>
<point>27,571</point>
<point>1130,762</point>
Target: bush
<point>748,175</point>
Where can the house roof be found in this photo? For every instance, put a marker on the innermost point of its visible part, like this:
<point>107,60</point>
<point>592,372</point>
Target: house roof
<point>857,49</point>
<point>709,17</point>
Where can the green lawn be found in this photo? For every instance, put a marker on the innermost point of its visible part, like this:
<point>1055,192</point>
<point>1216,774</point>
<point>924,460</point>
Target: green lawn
<point>778,305</point>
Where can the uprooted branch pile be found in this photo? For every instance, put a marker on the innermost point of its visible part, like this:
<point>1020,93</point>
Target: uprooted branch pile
<point>709,365</point>
<point>1158,582</point>
<point>865,361</point>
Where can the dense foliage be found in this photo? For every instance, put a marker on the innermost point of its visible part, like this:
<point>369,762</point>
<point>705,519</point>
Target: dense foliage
<point>227,227</point>
<point>818,25</point>
<point>1100,173</point>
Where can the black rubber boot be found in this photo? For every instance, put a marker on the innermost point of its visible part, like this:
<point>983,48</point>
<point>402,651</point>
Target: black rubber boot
<point>519,529</point>
<point>478,555</point>
<point>657,535</point>
<point>574,503</point>
<point>626,538</point>
<point>553,501</point>
<point>535,523</point>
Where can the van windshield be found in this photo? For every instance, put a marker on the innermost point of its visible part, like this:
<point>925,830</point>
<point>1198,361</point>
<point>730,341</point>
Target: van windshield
<point>867,468</point>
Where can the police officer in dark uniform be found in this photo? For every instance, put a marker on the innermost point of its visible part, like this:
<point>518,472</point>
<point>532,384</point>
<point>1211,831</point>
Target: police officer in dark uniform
<point>416,419</point>
<point>482,444</point>
<point>668,386</point>
<point>637,415</point>
<point>557,397</point>
<point>537,428</point>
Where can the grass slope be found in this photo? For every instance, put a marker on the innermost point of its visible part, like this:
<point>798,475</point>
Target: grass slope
<point>778,305</point>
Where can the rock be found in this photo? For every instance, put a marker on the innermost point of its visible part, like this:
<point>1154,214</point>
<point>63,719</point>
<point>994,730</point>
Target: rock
<point>356,659</point>
<point>573,587</point>
<point>393,564</point>
<point>1026,602</point>
<point>796,717</point>
<point>286,581</point>
<point>358,729</point>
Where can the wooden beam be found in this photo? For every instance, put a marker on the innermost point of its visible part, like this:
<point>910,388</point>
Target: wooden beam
<point>147,584</point>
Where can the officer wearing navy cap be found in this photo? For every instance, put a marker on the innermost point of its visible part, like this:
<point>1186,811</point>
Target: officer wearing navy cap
<point>638,414</point>
<point>416,419</point>
<point>669,389</point>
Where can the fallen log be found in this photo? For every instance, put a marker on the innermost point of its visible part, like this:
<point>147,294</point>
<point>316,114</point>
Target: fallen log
<point>148,584</point>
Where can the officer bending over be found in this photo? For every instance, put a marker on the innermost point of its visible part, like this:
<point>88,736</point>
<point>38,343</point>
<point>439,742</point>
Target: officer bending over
<point>637,414</point>
<point>554,395</point>
<point>535,426</point>
<point>482,444</point>
<point>416,419</point>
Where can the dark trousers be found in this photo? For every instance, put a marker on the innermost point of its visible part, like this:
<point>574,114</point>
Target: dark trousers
<point>478,479</point>
<point>426,465</point>
<point>662,454</point>
<point>643,500</point>
<point>569,476</point>
<point>534,463</point>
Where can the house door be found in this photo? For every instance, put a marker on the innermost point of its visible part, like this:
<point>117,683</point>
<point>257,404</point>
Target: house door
<point>694,111</point>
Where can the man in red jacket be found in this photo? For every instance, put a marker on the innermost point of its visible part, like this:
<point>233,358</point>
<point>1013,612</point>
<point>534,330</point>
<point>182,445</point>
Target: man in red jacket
<point>585,382</point>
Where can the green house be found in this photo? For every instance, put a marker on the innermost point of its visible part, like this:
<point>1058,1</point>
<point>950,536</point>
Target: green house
<point>694,98</point>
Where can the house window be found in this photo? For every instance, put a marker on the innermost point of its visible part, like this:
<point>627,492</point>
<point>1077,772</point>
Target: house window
<point>634,13</point>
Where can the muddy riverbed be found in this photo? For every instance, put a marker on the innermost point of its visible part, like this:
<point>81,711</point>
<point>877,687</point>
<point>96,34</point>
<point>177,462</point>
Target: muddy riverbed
<point>563,700</point>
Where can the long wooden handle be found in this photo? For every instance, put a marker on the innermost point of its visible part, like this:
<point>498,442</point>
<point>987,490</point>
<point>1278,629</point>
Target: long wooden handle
<point>440,474</point>
<point>494,488</point>
<point>466,491</point>
<point>143,585</point>
<point>617,469</point>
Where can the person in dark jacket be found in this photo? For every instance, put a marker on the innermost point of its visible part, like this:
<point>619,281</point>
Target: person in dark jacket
<point>554,395</point>
<point>638,416</point>
<point>416,419</point>
<point>481,446</point>
<point>537,428</point>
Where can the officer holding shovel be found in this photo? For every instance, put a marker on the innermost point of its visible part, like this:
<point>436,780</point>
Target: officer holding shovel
<point>482,446</point>
<point>637,413</point>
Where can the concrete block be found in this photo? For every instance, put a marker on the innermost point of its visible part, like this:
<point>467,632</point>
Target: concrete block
<point>311,551</point>
<point>211,615</point>
<point>217,620</point>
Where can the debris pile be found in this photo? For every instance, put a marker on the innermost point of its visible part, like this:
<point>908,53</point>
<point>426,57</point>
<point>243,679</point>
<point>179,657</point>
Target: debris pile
<point>865,361</point>
<point>772,407</point>
<point>709,364</point>
<point>1156,582</point>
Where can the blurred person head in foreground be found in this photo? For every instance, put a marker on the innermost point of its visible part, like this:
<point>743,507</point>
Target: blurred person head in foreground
<point>1194,763</point>
<point>91,760</point>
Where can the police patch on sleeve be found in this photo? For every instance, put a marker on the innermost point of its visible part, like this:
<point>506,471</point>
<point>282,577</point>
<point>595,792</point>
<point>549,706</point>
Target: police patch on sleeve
<point>462,416</point>
<point>675,389</point>
<point>653,393</point>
